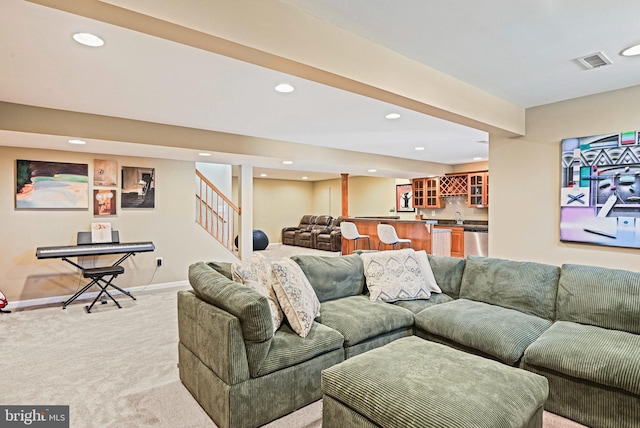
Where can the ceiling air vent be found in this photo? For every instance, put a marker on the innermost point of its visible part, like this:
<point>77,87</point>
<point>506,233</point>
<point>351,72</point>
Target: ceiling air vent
<point>595,60</point>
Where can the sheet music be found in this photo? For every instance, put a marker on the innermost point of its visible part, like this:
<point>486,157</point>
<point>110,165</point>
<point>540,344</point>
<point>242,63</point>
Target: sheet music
<point>100,232</point>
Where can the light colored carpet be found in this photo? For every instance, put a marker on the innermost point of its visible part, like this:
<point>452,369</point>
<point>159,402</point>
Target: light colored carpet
<point>118,367</point>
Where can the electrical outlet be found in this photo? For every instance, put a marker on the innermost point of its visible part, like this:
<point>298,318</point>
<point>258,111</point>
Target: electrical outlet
<point>158,261</point>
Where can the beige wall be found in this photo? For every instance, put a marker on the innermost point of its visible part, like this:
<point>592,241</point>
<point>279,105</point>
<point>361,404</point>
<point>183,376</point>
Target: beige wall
<point>525,187</point>
<point>171,226</point>
<point>327,197</point>
<point>371,196</point>
<point>280,203</point>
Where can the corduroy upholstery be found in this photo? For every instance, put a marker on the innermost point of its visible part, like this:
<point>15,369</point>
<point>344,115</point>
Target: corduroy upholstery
<point>500,332</point>
<point>576,350</point>
<point>231,377</point>
<point>524,286</point>
<point>577,326</point>
<point>289,349</point>
<point>448,273</point>
<point>608,298</point>
<point>359,319</point>
<point>587,403</point>
<point>590,355</point>
<point>250,307</point>
<point>333,277</point>
<point>418,305</point>
<point>452,389</point>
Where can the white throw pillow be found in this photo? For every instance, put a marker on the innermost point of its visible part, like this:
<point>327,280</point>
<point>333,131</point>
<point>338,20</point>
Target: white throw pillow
<point>423,259</point>
<point>394,275</point>
<point>295,295</point>
<point>255,271</point>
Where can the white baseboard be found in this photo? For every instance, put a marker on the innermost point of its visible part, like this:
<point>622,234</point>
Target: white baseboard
<point>92,295</point>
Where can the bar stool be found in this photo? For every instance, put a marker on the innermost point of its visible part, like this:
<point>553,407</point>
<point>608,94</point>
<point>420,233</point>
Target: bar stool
<point>387,235</point>
<point>350,232</point>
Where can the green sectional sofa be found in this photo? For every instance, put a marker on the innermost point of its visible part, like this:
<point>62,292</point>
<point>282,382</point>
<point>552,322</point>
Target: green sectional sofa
<point>579,326</point>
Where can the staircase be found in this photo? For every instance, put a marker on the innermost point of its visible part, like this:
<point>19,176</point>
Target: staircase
<point>216,213</point>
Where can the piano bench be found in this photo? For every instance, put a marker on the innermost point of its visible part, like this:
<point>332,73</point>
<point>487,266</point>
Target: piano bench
<point>99,272</point>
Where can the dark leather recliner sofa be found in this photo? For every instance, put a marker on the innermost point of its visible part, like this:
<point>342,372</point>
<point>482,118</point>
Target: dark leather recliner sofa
<point>320,232</point>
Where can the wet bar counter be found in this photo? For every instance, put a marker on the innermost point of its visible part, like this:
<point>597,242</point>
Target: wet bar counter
<point>416,230</point>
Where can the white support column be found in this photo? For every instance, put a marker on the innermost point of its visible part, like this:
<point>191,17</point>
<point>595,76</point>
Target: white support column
<point>245,202</point>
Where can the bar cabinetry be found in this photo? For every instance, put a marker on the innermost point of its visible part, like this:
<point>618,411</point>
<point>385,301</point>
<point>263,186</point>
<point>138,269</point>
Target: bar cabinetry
<point>457,240</point>
<point>426,192</point>
<point>478,196</point>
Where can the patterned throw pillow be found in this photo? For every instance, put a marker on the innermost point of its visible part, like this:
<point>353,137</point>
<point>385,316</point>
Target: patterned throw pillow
<point>423,259</point>
<point>394,275</point>
<point>255,271</point>
<point>296,296</point>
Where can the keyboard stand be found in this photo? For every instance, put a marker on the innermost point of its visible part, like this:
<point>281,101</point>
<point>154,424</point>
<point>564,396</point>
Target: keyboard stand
<point>97,276</point>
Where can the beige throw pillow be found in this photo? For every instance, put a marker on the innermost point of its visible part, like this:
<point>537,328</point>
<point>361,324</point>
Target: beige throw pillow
<point>255,271</point>
<point>394,275</point>
<point>423,259</point>
<point>295,295</point>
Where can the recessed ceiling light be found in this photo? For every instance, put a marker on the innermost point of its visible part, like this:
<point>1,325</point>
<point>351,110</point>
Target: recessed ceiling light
<point>263,175</point>
<point>393,116</point>
<point>477,158</point>
<point>287,162</point>
<point>305,178</point>
<point>76,141</point>
<point>631,51</point>
<point>204,154</point>
<point>418,148</point>
<point>285,88</point>
<point>88,39</point>
<point>372,170</point>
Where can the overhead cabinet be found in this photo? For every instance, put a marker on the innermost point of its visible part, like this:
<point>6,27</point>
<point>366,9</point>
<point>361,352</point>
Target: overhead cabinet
<point>478,196</point>
<point>426,193</point>
<point>429,192</point>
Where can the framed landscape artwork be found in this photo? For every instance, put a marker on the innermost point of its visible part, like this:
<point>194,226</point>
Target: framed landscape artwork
<point>600,190</point>
<point>404,198</point>
<point>51,185</point>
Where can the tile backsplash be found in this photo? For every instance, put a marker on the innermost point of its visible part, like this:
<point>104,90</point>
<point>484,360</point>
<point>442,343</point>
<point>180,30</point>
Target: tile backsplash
<point>451,205</point>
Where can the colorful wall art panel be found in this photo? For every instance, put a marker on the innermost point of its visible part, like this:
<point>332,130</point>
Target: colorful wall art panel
<point>138,187</point>
<point>600,190</point>
<point>47,185</point>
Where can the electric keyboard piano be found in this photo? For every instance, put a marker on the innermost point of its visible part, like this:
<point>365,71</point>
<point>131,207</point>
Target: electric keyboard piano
<point>93,250</point>
<point>97,275</point>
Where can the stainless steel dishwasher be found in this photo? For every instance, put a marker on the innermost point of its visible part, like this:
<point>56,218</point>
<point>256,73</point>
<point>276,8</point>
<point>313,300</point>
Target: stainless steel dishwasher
<point>476,242</point>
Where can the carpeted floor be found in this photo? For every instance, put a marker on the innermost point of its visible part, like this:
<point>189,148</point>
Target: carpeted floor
<point>118,367</point>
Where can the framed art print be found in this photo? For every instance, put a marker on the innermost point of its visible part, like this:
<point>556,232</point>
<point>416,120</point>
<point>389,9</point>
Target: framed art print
<point>404,198</point>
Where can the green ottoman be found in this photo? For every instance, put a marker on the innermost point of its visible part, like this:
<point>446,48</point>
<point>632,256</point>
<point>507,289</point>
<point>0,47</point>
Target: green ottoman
<point>416,383</point>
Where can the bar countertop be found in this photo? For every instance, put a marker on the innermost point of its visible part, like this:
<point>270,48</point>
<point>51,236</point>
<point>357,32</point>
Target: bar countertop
<point>467,225</point>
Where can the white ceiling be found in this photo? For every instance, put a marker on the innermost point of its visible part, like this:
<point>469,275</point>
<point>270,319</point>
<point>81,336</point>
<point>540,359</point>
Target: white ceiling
<point>521,52</point>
